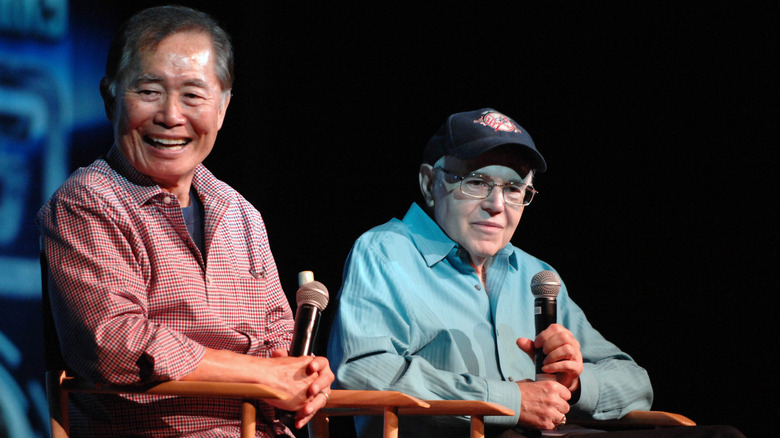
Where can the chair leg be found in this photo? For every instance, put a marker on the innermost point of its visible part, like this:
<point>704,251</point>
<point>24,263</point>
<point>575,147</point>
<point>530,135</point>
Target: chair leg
<point>58,405</point>
<point>477,426</point>
<point>248,419</point>
<point>319,426</point>
<point>391,422</point>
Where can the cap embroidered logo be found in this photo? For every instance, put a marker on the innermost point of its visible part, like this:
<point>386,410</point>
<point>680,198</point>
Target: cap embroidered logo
<point>498,122</point>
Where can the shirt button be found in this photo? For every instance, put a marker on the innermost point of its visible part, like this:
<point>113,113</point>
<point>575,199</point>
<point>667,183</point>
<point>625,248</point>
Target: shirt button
<point>208,280</point>
<point>167,200</point>
<point>477,287</point>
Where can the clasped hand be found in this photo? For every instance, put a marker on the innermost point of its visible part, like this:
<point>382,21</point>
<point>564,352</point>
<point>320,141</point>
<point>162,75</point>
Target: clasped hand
<point>311,376</point>
<point>543,404</point>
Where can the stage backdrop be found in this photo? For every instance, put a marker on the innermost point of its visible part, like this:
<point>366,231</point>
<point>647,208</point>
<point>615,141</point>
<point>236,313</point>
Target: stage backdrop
<point>658,121</point>
<point>51,60</point>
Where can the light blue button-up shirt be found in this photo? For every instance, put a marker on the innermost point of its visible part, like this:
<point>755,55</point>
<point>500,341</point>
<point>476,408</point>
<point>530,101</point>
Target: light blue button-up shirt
<point>413,317</point>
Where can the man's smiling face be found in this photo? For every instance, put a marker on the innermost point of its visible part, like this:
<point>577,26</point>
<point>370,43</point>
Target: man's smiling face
<point>168,118</point>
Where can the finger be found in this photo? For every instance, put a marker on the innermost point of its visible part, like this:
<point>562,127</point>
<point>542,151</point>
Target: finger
<point>325,397</point>
<point>558,339</point>
<point>555,415</point>
<point>570,368</point>
<point>548,333</point>
<point>527,346</point>
<point>322,381</point>
<point>318,364</point>
<point>560,353</point>
<point>311,408</point>
<point>301,422</point>
<point>321,384</point>
<point>556,390</point>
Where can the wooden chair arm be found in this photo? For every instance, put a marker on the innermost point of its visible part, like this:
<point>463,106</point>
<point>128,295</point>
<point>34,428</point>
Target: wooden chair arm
<point>657,418</point>
<point>458,407</point>
<point>358,402</point>
<point>59,384</point>
<point>178,388</point>
<point>649,419</point>
<point>355,402</point>
<point>392,404</point>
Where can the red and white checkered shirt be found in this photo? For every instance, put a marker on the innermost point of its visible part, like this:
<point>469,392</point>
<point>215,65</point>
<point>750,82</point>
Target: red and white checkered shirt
<point>135,301</point>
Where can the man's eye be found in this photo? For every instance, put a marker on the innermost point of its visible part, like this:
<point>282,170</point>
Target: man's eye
<point>475,182</point>
<point>192,98</point>
<point>514,188</point>
<point>147,93</point>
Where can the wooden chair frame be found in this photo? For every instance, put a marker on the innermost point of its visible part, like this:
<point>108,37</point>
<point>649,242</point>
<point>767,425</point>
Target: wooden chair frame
<point>59,385</point>
<point>393,404</point>
<point>639,420</point>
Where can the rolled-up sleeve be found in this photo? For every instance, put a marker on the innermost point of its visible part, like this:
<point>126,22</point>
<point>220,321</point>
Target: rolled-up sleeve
<point>99,296</point>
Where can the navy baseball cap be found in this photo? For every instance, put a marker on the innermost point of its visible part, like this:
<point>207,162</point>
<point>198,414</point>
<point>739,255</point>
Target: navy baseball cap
<point>469,134</point>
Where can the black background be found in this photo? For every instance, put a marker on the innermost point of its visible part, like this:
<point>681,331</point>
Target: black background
<point>658,122</point>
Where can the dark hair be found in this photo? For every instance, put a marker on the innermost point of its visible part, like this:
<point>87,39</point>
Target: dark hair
<point>145,30</point>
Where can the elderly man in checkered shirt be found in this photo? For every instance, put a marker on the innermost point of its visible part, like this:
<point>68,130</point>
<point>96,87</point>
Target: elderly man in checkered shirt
<point>159,270</point>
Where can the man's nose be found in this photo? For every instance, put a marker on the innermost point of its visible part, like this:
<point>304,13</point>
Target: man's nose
<point>170,113</point>
<point>495,200</point>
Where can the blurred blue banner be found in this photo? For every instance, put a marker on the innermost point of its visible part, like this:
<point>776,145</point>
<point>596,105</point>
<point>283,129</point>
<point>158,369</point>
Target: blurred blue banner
<point>51,61</point>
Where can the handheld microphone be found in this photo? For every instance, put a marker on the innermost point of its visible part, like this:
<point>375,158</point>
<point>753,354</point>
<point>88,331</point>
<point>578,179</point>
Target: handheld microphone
<point>312,298</point>
<point>545,286</point>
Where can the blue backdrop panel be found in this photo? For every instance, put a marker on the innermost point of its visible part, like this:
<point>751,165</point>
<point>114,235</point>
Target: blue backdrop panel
<point>50,113</point>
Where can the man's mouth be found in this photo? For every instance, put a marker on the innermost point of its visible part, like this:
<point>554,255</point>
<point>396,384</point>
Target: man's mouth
<point>488,226</point>
<point>167,143</point>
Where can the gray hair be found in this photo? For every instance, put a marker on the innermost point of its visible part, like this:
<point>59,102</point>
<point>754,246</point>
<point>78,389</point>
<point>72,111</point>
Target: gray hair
<point>145,30</point>
<point>524,168</point>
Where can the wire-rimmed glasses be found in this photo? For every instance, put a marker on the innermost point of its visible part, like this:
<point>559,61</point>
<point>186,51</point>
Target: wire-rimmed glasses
<point>479,186</point>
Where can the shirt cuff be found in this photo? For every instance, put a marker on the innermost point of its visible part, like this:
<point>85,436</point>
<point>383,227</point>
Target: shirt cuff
<point>506,394</point>
<point>173,355</point>
<point>589,392</point>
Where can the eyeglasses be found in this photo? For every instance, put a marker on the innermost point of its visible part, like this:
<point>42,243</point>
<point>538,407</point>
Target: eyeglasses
<point>479,186</point>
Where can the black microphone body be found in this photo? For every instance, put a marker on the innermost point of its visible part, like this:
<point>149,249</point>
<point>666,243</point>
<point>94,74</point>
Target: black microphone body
<point>307,320</point>
<point>545,313</point>
<point>545,286</point>
<point>312,298</point>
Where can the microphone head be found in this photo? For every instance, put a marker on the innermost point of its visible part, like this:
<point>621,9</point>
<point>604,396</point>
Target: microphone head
<point>313,293</point>
<point>545,284</point>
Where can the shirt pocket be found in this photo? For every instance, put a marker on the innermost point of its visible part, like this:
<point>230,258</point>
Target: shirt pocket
<point>249,315</point>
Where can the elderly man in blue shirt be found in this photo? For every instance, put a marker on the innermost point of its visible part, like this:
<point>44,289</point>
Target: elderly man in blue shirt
<point>438,305</point>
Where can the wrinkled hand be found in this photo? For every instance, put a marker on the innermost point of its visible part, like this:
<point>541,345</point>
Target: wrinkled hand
<point>311,375</point>
<point>542,404</point>
<point>564,358</point>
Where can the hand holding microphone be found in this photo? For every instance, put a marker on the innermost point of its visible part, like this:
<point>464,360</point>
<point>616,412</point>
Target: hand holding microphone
<point>312,298</point>
<point>545,402</point>
<point>554,345</point>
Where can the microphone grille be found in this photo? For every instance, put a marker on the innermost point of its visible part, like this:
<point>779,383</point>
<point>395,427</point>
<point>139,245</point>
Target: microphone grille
<point>314,293</point>
<point>545,284</point>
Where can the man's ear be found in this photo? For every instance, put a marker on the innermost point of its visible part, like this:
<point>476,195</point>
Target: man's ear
<point>225,101</point>
<point>426,183</point>
<point>109,100</point>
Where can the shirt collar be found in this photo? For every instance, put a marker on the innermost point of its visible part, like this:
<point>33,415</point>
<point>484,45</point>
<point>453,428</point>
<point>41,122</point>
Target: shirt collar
<point>434,245</point>
<point>142,188</point>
